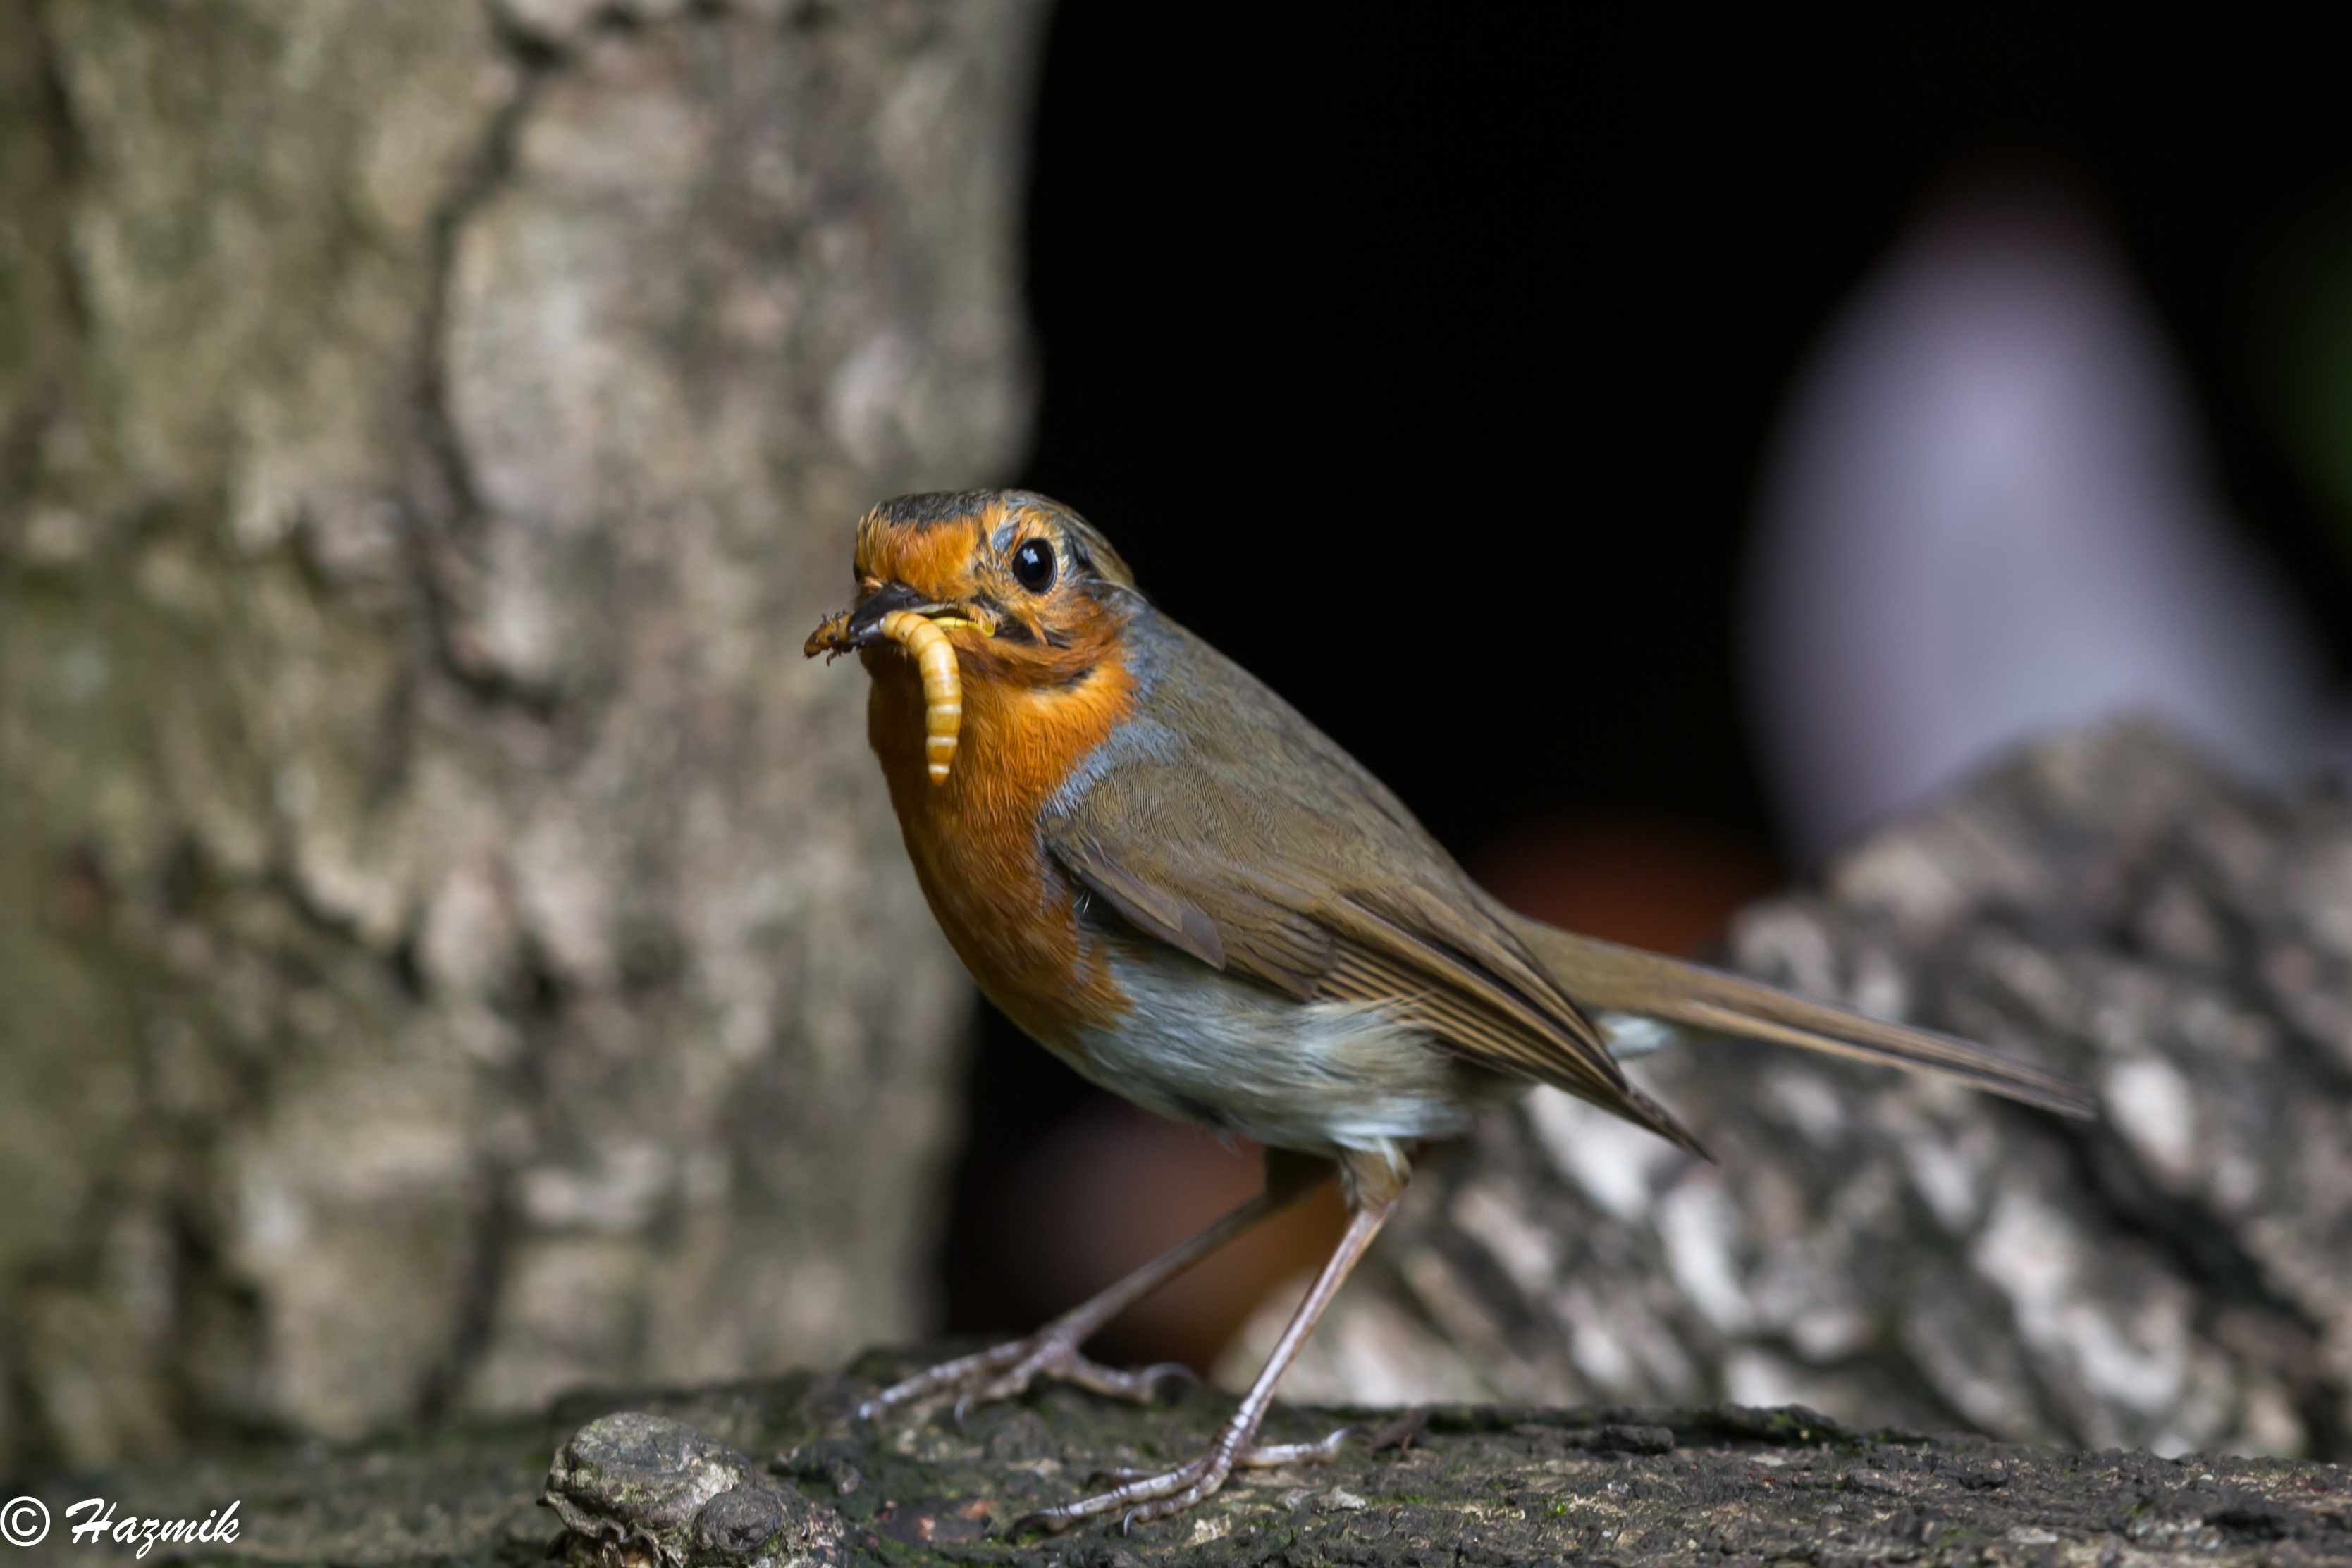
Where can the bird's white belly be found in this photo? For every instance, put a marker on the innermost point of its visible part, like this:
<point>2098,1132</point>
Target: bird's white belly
<point>1200,1046</point>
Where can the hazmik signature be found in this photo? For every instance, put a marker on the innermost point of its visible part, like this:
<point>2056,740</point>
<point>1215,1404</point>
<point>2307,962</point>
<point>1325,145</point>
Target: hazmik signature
<point>26,1522</point>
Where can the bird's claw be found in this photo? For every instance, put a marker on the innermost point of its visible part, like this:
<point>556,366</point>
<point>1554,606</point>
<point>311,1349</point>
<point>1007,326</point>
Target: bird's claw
<point>1154,1496</point>
<point>938,1379</point>
<point>1159,1493</point>
<point>1006,1371</point>
<point>1140,1384</point>
<point>1320,1452</point>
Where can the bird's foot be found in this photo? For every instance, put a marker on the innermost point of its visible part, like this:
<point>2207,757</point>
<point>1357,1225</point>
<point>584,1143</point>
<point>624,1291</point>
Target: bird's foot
<point>1156,1494</point>
<point>1006,1371</point>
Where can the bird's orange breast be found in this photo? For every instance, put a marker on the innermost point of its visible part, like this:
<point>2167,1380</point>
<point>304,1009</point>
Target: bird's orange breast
<point>1007,910</point>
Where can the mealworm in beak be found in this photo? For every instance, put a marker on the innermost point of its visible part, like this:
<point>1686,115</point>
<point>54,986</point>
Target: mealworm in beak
<point>935,656</point>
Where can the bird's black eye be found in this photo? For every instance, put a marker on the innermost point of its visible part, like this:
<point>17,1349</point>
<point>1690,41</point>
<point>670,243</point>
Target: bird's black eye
<point>1033,565</point>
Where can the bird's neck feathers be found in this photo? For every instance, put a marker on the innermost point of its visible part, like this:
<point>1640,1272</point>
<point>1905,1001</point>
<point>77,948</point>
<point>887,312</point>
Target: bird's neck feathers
<point>1021,736</point>
<point>973,839</point>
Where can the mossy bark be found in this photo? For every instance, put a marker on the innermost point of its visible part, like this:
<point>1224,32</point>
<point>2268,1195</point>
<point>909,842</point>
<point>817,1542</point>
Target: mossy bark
<point>778,1472</point>
<point>451,944</point>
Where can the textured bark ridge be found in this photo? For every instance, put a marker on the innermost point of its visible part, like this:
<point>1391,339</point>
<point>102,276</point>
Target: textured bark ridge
<point>2177,1276</point>
<point>452,943</point>
<point>775,1473</point>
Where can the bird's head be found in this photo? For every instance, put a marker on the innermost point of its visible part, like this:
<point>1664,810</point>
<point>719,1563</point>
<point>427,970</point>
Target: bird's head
<point>1028,591</point>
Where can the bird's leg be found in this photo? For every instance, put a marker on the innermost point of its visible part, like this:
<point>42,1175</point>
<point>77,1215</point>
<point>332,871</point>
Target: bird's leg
<point>1004,1371</point>
<point>1156,1496</point>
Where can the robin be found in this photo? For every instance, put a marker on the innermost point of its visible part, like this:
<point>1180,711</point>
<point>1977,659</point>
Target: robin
<point>1172,881</point>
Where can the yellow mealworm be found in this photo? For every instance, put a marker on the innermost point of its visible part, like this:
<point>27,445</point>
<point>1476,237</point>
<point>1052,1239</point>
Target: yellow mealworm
<point>943,684</point>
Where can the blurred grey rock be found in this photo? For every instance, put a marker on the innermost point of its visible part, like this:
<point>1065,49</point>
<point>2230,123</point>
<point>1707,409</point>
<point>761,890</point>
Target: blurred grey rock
<point>1893,1250</point>
<point>453,944</point>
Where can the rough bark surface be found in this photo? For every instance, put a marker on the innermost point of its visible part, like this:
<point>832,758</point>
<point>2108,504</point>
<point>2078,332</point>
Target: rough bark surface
<point>452,944</point>
<point>1890,1251</point>
<point>774,1473</point>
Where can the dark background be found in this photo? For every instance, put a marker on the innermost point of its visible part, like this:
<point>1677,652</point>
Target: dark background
<point>1426,364</point>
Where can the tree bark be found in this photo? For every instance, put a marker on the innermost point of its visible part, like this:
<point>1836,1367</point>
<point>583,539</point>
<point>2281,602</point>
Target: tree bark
<point>453,944</point>
<point>776,1473</point>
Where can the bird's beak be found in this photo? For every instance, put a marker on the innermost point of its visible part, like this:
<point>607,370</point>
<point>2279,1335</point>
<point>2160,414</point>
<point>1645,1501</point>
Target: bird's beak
<point>861,627</point>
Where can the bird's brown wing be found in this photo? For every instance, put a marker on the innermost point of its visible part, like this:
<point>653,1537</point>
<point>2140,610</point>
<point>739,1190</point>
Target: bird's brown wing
<point>1223,824</point>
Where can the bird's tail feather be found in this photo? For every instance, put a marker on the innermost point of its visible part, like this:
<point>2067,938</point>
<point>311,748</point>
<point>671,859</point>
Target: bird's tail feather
<point>1605,978</point>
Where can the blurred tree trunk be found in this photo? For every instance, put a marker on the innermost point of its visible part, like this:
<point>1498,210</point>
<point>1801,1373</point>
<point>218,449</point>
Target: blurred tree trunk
<point>451,944</point>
